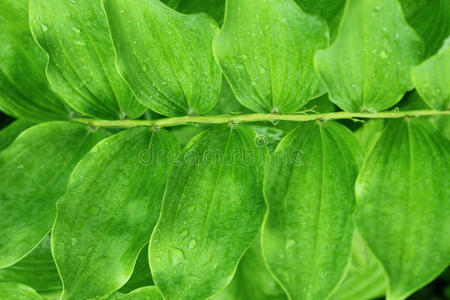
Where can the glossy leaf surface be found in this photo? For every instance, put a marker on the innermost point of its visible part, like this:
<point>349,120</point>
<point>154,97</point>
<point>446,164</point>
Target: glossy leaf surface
<point>24,91</point>
<point>432,79</point>
<point>109,211</point>
<point>17,291</point>
<point>144,293</point>
<point>430,19</point>
<point>81,65</point>
<point>368,66</point>
<point>307,233</point>
<point>37,270</point>
<point>34,172</point>
<point>10,132</point>
<point>212,211</point>
<point>165,56</point>
<point>266,51</point>
<point>402,213</point>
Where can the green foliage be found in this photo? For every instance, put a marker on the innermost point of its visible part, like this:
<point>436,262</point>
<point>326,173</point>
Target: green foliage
<point>126,171</point>
<point>87,258</point>
<point>171,70</point>
<point>81,60</point>
<point>368,66</point>
<point>403,193</point>
<point>266,50</point>
<point>212,210</point>
<point>24,91</point>
<point>309,191</point>
<point>432,78</point>
<point>27,202</point>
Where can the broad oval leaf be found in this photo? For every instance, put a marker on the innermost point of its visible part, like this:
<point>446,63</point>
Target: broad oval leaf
<point>402,213</point>
<point>17,291</point>
<point>165,57</point>
<point>10,132</point>
<point>266,51</point>
<point>331,11</point>
<point>430,19</point>
<point>108,213</point>
<point>307,233</point>
<point>81,66</point>
<point>212,211</point>
<point>144,293</point>
<point>37,270</point>
<point>24,90</point>
<point>432,78</point>
<point>34,171</point>
<point>368,66</point>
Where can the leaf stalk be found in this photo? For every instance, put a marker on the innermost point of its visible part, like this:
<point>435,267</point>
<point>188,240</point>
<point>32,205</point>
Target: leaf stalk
<point>256,117</point>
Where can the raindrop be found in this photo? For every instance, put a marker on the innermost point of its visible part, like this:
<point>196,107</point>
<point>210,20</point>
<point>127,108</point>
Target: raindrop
<point>262,70</point>
<point>73,1</point>
<point>377,8</point>
<point>176,256</point>
<point>185,233</point>
<point>383,54</point>
<point>192,244</point>
<point>372,110</point>
<point>20,166</point>
<point>73,241</point>
<point>289,244</point>
<point>191,208</point>
<point>44,27</point>
<point>75,29</point>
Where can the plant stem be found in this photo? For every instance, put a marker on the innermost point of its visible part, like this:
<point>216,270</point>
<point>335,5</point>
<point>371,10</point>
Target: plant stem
<point>219,119</point>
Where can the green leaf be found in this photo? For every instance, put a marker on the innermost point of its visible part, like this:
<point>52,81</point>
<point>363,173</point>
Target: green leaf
<point>266,52</point>
<point>141,274</point>
<point>214,8</point>
<point>369,133</point>
<point>24,91</point>
<point>144,293</point>
<point>165,57</point>
<point>432,78</point>
<point>212,211</point>
<point>402,213</point>
<point>365,278</point>
<point>430,19</point>
<point>307,233</point>
<point>17,291</point>
<point>81,66</point>
<point>9,133</point>
<point>252,280</point>
<point>37,270</point>
<point>331,11</point>
<point>368,66</point>
<point>108,213</point>
<point>34,172</point>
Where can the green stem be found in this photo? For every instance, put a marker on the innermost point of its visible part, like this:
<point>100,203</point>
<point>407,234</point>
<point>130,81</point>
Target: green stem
<point>219,119</point>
